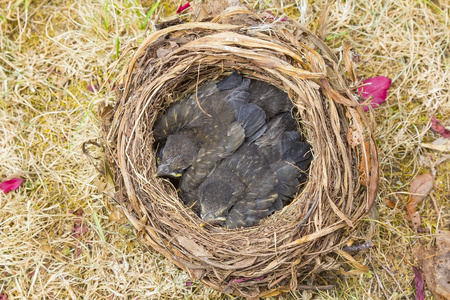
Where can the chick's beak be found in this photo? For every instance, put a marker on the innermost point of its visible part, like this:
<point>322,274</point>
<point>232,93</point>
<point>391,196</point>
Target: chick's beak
<point>210,218</point>
<point>163,170</point>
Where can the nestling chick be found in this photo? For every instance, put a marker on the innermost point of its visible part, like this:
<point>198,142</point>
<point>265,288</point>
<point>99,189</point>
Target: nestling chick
<point>243,177</point>
<point>258,179</point>
<point>214,130</point>
<point>172,161</point>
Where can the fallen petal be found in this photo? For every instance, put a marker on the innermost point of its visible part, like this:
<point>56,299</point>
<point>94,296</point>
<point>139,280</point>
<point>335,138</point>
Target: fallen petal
<point>375,88</point>
<point>10,185</point>
<point>418,281</point>
<point>183,7</point>
<point>439,128</point>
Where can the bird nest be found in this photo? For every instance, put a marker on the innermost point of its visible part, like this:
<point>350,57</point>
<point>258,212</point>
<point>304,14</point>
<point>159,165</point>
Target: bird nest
<point>290,245</point>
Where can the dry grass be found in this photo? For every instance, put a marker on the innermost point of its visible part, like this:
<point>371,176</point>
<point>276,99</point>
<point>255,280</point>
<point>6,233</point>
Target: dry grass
<point>52,50</point>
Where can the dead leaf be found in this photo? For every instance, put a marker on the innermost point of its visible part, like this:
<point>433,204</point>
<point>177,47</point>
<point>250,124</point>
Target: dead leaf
<point>274,292</point>
<point>105,110</point>
<point>100,185</point>
<point>419,189</point>
<point>435,265</point>
<point>389,203</point>
<point>442,264</point>
<point>351,272</point>
<point>441,144</point>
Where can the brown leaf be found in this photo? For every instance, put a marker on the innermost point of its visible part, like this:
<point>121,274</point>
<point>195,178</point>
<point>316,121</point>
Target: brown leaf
<point>442,265</point>
<point>435,265</point>
<point>413,215</point>
<point>389,203</point>
<point>419,188</point>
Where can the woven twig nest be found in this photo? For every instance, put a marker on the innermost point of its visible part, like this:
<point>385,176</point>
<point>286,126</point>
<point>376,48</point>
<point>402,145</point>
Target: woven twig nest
<point>289,245</point>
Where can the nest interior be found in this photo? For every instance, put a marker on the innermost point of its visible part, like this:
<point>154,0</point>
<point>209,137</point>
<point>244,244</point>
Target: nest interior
<point>289,246</point>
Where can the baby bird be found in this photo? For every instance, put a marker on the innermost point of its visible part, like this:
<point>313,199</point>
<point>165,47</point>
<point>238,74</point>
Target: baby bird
<point>197,137</point>
<point>257,179</point>
<point>243,177</point>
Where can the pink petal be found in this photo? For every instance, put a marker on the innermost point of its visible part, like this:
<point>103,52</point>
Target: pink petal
<point>436,126</point>
<point>375,88</point>
<point>10,185</point>
<point>183,7</point>
<point>189,283</point>
<point>3,297</point>
<point>418,281</point>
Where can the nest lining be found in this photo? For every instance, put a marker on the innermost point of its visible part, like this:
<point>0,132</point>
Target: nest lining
<point>291,244</point>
